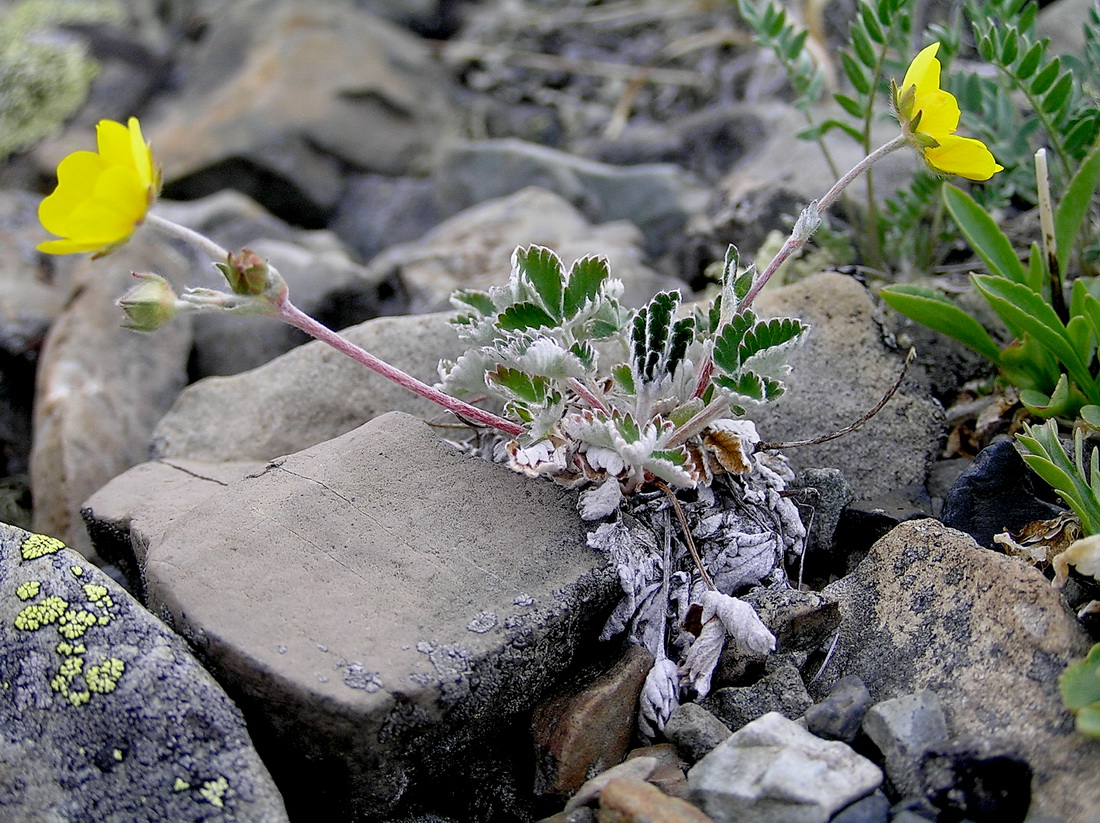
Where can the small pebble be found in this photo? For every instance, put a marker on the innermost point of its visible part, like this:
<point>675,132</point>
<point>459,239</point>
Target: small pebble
<point>840,715</point>
<point>695,731</point>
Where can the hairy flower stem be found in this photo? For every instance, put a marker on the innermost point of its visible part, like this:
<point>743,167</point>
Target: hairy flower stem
<point>293,316</point>
<point>811,217</point>
<point>201,241</point>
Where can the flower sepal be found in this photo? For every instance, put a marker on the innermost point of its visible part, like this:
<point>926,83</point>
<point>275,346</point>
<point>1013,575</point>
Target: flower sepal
<point>150,304</point>
<point>248,273</point>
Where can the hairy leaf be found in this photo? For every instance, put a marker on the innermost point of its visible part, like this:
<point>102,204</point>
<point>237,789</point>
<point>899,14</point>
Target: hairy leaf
<point>523,316</point>
<point>543,269</point>
<point>585,279</point>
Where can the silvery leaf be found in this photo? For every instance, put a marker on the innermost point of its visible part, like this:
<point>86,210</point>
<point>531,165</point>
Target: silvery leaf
<point>600,501</point>
<point>660,697</point>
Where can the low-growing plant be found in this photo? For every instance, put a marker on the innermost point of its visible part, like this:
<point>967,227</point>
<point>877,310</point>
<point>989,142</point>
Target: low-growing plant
<point>1080,685</point>
<point>1034,98</point>
<point>1052,357</point>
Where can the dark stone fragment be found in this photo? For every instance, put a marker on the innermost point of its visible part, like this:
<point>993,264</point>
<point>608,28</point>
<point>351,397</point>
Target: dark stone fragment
<point>781,691</point>
<point>968,781</point>
<point>840,715</point>
<point>874,808</point>
<point>997,492</point>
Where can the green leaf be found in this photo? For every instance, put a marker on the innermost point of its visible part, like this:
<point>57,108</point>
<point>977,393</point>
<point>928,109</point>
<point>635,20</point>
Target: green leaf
<point>623,376</point>
<point>856,73</point>
<point>1091,415</point>
<point>751,385</point>
<point>1082,133</point>
<point>479,301</point>
<point>1045,78</point>
<point>874,30</point>
<point>983,234</point>
<point>861,45</point>
<point>827,126</point>
<point>1054,405</point>
<point>727,345</point>
<point>1037,273</point>
<point>770,334</point>
<point>586,354</point>
<point>521,316</point>
<point>627,428</point>
<point>585,279</point>
<point>1019,306</point>
<point>849,105</point>
<point>941,314</point>
<point>798,42</point>
<point>1030,61</point>
<point>1010,48</point>
<point>1079,331</point>
<point>1074,206</point>
<point>1056,98</point>
<point>522,386</point>
<point>543,270</point>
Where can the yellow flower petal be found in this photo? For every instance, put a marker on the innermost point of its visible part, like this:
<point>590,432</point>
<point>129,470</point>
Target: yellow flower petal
<point>143,157</point>
<point>939,114</point>
<point>100,197</point>
<point>963,156</point>
<point>924,71</point>
<point>934,134</point>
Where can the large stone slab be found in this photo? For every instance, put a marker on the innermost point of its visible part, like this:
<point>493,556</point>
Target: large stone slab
<point>280,94</point>
<point>106,715</point>
<point>383,607</point>
<point>308,395</point>
<point>930,609</point>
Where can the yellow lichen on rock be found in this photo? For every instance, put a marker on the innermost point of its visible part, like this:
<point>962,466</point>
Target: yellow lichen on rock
<point>41,614</point>
<point>214,791</point>
<point>39,545</point>
<point>103,679</point>
<point>25,591</point>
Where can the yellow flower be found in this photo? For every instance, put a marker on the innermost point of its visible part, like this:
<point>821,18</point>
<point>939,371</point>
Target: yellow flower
<point>101,197</point>
<point>929,116</point>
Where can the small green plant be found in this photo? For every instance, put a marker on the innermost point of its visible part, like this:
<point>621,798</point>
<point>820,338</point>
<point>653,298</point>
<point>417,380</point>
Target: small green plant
<point>1076,483</point>
<point>1034,98</point>
<point>1052,357</point>
<point>606,392</point>
<point>1080,685</point>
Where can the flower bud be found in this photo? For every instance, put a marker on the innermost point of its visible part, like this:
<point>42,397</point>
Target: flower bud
<point>246,272</point>
<point>150,304</point>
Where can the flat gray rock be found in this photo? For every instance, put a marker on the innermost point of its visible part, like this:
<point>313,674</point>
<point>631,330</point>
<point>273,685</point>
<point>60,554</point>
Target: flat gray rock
<point>774,771</point>
<point>106,714</point>
<point>306,396</point>
<point>296,89</point>
<point>381,602</point>
<point>473,249</point>
<point>930,609</point>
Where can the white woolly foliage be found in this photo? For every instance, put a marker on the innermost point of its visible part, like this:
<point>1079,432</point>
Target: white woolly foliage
<point>723,616</point>
<point>600,501</point>
<point>660,697</point>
